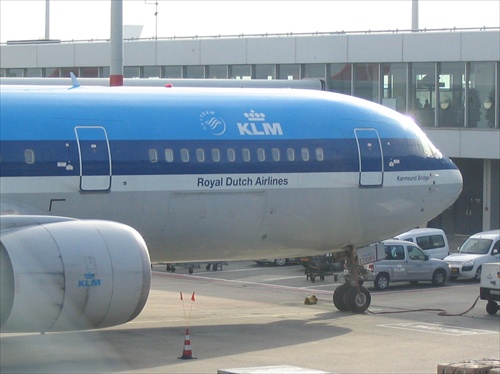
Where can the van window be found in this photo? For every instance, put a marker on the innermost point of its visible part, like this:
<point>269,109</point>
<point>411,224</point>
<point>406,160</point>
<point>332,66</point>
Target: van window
<point>415,254</point>
<point>394,252</point>
<point>430,242</point>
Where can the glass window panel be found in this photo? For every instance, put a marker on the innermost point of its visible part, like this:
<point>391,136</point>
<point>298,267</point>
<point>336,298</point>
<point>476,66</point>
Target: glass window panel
<point>15,73</point>
<point>231,155</point>
<point>131,72</point>
<point>91,72</point>
<point>423,92</point>
<point>481,95</point>
<point>339,79</point>
<point>169,155</point>
<point>265,71</point>
<point>104,72</point>
<point>315,71</point>
<point>319,154</point>
<point>451,94</point>
<point>394,91</point>
<point>65,72</point>
<point>261,154</point>
<point>245,154</point>
<point>275,154</point>
<point>185,155</point>
<point>290,154</point>
<point>200,155</point>
<point>196,72</point>
<point>366,81</point>
<point>29,156</point>
<point>215,154</point>
<point>172,72</point>
<point>151,72</point>
<point>304,153</point>
<point>153,155</point>
<point>289,71</point>
<point>34,72</point>
<point>52,72</point>
<point>217,71</point>
<point>240,72</point>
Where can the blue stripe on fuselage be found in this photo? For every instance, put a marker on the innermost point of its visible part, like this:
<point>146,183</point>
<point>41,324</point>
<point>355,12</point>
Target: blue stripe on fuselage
<point>53,158</point>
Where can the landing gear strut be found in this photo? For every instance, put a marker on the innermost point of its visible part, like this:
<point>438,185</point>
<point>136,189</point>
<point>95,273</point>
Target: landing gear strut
<point>352,296</point>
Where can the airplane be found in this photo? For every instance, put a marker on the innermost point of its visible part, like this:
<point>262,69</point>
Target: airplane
<point>97,182</point>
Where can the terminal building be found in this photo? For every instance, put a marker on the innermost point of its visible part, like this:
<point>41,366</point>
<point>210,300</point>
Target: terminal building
<point>447,80</point>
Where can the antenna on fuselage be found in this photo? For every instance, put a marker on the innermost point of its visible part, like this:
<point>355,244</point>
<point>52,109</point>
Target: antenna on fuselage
<point>74,80</point>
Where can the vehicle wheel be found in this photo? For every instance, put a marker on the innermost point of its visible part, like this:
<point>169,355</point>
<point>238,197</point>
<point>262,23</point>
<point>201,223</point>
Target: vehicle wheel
<point>477,277</point>
<point>439,278</point>
<point>381,281</point>
<point>359,299</point>
<point>491,307</point>
<point>340,298</point>
<point>280,261</point>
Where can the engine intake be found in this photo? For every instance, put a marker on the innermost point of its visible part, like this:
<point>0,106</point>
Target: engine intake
<point>60,274</point>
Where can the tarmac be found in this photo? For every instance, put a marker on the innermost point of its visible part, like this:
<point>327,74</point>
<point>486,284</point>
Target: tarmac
<point>250,319</point>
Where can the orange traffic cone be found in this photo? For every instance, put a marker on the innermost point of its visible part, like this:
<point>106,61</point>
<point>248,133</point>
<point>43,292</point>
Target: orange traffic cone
<point>187,354</point>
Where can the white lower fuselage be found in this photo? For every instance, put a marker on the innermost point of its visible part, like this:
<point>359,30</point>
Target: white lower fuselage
<point>247,216</point>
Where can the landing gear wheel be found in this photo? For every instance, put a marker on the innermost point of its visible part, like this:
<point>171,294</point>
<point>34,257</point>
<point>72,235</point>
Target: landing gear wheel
<point>191,269</point>
<point>358,299</point>
<point>491,307</point>
<point>208,267</point>
<point>340,298</point>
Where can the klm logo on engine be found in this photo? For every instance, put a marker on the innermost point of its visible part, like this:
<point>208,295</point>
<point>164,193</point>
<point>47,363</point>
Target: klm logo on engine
<point>90,279</point>
<point>257,125</point>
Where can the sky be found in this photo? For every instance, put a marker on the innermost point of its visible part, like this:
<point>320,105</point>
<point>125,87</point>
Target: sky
<point>90,19</point>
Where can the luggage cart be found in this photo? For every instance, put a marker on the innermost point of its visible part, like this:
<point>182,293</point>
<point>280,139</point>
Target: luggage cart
<point>214,266</point>
<point>321,266</point>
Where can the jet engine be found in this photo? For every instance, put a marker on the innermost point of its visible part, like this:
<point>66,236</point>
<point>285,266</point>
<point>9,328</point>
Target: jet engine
<point>61,274</point>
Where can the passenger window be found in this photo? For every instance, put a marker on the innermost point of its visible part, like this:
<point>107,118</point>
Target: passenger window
<point>275,152</point>
<point>319,154</point>
<point>169,155</point>
<point>29,156</point>
<point>245,153</point>
<point>304,152</point>
<point>215,155</point>
<point>185,155</point>
<point>290,154</point>
<point>153,155</point>
<point>415,254</point>
<point>261,154</point>
<point>200,155</point>
<point>231,155</point>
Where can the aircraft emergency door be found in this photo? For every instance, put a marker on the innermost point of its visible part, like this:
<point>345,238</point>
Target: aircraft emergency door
<point>371,162</point>
<point>95,158</point>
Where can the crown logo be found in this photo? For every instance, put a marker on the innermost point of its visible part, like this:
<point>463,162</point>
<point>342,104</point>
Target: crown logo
<point>254,116</point>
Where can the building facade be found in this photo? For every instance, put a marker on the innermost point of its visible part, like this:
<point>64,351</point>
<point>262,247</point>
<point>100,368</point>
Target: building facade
<point>448,81</point>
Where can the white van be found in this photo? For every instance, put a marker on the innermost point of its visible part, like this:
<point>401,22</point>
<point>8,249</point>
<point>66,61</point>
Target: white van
<point>433,241</point>
<point>480,248</point>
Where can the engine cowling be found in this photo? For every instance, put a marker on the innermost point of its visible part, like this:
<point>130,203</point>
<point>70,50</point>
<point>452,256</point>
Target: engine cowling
<point>62,274</point>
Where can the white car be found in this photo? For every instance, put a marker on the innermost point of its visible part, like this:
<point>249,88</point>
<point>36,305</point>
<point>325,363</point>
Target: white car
<point>478,249</point>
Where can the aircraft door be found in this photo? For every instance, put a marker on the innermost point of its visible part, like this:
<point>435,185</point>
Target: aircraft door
<point>95,158</point>
<point>371,163</point>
